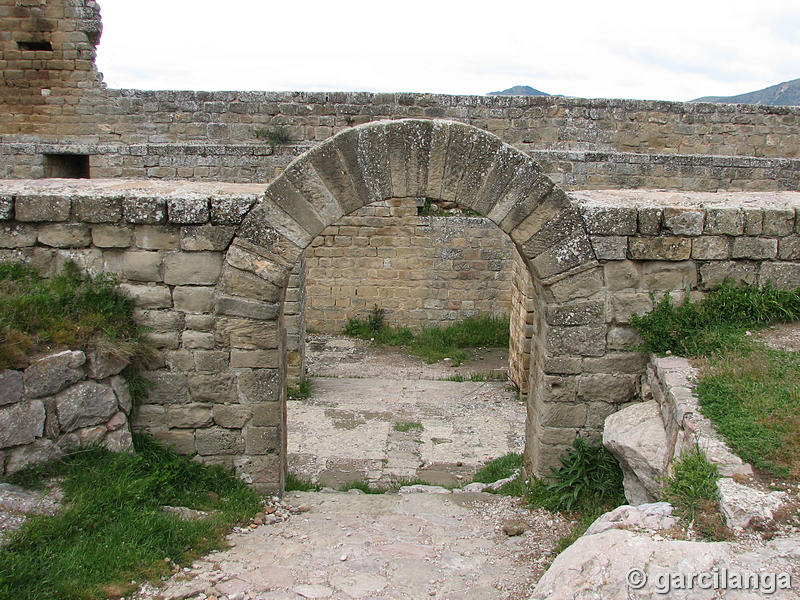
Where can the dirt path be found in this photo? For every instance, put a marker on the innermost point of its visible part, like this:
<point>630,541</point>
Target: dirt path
<point>380,415</point>
<point>348,546</point>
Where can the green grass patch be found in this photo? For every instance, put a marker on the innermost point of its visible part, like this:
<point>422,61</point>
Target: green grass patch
<point>405,426</point>
<point>433,343</point>
<point>752,396</point>
<point>692,490</point>
<point>301,392</point>
<point>718,321</point>
<point>748,391</point>
<point>499,468</point>
<point>295,483</point>
<point>111,530</point>
<point>71,310</point>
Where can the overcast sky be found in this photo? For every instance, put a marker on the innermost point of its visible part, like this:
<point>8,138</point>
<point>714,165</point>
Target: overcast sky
<point>676,50</point>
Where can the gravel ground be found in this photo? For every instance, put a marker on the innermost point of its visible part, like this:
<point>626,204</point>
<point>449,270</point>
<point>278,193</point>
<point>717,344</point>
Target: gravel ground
<point>393,546</point>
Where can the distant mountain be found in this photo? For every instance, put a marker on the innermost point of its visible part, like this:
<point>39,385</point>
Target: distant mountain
<point>519,90</point>
<point>783,94</point>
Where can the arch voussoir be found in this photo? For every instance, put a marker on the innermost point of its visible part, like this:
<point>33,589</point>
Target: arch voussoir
<point>506,164</point>
<point>328,163</point>
<point>409,146</point>
<point>307,182</point>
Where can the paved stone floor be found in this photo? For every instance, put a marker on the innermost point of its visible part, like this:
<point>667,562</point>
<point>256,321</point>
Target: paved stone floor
<point>391,546</point>
<point>380,415</point>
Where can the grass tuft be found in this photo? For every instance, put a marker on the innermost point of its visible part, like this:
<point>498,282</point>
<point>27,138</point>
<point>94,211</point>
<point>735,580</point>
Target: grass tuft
<point>111,530</point>
<point>301,392</point>
<point>499,468</point>
<point>692,490</point>
<point>405,426</point>
<point>295,483</point>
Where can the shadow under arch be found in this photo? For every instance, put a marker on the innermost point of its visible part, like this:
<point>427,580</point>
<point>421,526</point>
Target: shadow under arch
<point>409,158</point>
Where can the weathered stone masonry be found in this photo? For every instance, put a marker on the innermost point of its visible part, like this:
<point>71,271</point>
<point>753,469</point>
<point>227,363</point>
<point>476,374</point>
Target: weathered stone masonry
<point>209,264</point>
<point>423,270</point>
<point>54,103</point>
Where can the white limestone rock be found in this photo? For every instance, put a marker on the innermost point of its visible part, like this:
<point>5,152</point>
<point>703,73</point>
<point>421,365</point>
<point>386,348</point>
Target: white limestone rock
<point>636,436</point>
<point>744,506</point>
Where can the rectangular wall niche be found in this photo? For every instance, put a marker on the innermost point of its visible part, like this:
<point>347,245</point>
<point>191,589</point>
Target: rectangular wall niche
<point>66,166</point>
<point>36,45</point>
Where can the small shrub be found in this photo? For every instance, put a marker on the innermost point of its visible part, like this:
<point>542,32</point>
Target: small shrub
<point>589,476</point>
<point>376,319</point>
<point>275,136</point>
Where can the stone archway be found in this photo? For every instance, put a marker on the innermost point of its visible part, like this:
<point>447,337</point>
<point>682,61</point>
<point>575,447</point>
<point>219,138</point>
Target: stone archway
<point>412,158</point>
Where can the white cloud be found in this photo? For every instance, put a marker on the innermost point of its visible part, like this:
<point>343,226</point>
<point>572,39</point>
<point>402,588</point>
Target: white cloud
<point>674,51</point>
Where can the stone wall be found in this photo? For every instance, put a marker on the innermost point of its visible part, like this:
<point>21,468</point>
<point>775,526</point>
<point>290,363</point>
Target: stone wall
<point>422,270</point>
<point>59,403</point>
<point>220,377</point>
<point>55,105</point>
<point>209,265</point>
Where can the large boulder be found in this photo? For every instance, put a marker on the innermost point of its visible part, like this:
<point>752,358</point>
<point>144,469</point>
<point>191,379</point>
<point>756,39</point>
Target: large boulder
<point>636,436</point>
<point>618,564</point>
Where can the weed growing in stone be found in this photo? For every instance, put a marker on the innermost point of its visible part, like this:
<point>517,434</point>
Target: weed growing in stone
<point>752,396</point>
<point>301,392</point>
<point>692,490</point>
<point>499,468</point>
<point>111,529</point>
<point>295,483</point>
<point>436,343</point>
<point>275,136</point>
<point>406,426</point>
<point>476,377</point>
<point>589,476</point>
<point>718,321</point>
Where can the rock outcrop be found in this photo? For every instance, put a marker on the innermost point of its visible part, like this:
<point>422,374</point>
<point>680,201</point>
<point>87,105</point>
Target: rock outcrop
<point>622,555</point>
